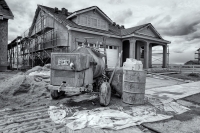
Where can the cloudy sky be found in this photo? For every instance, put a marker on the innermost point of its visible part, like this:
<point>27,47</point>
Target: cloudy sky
<point>177,21</point>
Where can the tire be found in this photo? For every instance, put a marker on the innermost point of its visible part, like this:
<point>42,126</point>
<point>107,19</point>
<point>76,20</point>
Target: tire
<point>55,94</point>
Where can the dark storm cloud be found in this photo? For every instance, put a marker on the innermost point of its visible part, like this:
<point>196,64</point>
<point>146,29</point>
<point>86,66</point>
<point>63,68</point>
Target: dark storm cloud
<point>123,16</point>
<point>184,26</point>
<point>193,36</point>
<point>180,26</point>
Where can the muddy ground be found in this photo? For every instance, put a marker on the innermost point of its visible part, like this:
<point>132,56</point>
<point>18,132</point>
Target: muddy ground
<point>187,122</point>
<point>19,91</point>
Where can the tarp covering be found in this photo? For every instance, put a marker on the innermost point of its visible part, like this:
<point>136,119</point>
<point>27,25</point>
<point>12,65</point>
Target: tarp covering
<point>106,117</point>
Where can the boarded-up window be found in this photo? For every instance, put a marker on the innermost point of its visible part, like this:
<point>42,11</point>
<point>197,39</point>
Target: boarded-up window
<point>83,20</point>
<point>44,21</point>
<point>103,24</point>
<point>93,22</point>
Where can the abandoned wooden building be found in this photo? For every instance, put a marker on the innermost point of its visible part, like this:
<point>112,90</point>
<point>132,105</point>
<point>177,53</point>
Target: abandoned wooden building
<point>55,30</point>
<point>5,14</point>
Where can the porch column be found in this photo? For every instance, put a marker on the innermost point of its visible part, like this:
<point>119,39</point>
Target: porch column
<point>146,55</point>
<point>165,56</point>
<point>150,55</point>
<point>132,48</point>
<point>138,54</point>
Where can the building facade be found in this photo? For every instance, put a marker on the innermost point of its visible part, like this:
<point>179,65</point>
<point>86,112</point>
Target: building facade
<point>197,55</point>
<point>55,30</point>
<point>5,14</point>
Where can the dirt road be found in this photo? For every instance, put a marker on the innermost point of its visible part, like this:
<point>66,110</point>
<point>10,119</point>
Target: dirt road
<point>25,101</point>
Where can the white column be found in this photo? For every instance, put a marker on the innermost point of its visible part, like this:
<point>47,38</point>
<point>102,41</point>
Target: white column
<point>165,56</point>
<point>132,48</point>
<point>138,54</point>
<point>150,55</point>
<point>146,56</point>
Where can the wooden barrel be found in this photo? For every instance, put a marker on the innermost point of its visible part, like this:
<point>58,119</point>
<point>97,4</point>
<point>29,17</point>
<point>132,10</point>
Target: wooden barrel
<point>133,86</point>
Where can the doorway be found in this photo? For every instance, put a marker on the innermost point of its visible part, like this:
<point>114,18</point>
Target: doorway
<point>126,48</point>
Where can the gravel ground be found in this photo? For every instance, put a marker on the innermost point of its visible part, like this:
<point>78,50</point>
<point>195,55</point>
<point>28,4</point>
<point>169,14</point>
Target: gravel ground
<point>20,92</point>
<point>186,76</point>
<point>187,122</point>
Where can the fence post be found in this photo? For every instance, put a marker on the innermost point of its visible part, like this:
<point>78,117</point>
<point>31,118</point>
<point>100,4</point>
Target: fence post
<point>180,69</point>
<point>193,69</point>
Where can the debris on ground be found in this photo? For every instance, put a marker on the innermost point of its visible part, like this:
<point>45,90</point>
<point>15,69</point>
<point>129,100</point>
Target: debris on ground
<point>106,118</point>
<point>30,90</point>
<point>24,89</point>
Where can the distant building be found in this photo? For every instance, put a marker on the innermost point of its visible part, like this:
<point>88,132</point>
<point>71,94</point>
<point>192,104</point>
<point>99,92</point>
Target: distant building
<point>197,55</point>
<point>196,60</point>
<point>5,14</point>
<point>192,62</point>
<point>55,30</point>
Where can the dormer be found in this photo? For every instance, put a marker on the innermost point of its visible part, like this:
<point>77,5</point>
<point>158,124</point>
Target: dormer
<point>91,17</point>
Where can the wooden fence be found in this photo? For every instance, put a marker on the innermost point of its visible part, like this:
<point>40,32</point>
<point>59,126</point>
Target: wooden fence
<point>179,68</point>
<point>185,68</point>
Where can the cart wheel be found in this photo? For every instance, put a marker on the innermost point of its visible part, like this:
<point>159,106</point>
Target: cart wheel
<point>105,94</point>
<point>55,94</point>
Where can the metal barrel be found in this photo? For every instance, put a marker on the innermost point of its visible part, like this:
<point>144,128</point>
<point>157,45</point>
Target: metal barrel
<point>134,86</point>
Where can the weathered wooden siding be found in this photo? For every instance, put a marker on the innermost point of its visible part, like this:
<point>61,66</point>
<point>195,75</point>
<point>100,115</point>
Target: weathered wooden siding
<point>3,44</point>
<point>90,16</point>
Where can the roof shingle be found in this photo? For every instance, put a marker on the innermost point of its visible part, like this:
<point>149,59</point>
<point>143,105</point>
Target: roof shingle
<point>113,30</point>
<point>131,30</point>
<point>5,10</point>
<point>70,23</point>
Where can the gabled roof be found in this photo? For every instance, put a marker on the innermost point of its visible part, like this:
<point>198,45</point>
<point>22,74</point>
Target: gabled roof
<point>5,11</point>
<point>137,29</point>
<point>89,9</point>
<point>65,20</point>
<point>132,30</point>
